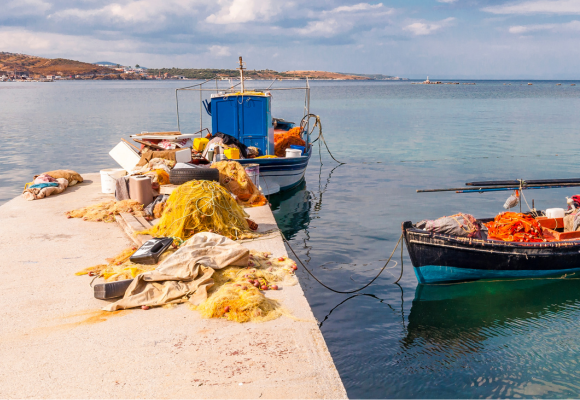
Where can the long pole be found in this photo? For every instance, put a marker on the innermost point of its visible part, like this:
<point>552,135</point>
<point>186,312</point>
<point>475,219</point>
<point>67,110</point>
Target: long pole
<point>242,73</point>
<point>517,182</point>
<point>496,188</point>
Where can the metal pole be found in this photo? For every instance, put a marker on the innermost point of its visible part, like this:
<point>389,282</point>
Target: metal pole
<point>308,105</point>
<point>177,108</point>
<point>200,110</point>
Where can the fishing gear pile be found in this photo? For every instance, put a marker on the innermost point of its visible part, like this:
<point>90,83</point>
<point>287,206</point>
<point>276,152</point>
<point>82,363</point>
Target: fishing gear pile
<point>464,225</point>
<point>515,227</point>
<point>238,293</point>
<point>233,176</point>
<point>201,206</point>
<point>283,141</point>
<point>107,210</point>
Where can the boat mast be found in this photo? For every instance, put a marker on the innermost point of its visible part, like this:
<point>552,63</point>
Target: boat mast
<point>242,73</point>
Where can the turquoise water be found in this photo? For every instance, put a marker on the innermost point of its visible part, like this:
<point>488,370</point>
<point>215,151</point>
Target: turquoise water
<point>487,339</point>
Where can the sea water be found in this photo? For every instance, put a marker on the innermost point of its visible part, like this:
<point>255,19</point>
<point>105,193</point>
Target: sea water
<point>485,339</point>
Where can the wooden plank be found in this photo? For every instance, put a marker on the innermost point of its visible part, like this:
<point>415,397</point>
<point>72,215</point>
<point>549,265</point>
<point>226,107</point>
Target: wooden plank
<point>138,150</point>
<point>131,225</point>
<point>149,144</point>
<point>167,189</point>
<point>128,231</point>
<point>146,224</point>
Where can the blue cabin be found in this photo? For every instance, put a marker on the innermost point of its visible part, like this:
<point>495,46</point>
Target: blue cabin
<point>247,117</point>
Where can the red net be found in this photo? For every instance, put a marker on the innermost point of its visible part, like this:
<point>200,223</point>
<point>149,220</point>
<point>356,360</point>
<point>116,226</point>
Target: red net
<point>515,227</point>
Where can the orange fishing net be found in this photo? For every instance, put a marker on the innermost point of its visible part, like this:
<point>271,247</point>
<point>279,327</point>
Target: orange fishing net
<point>283,141</point>
<point>233,176</point>
<point>515,227</point>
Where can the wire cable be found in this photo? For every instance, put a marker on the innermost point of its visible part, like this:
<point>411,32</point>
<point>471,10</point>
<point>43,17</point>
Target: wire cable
<point>350,291</point>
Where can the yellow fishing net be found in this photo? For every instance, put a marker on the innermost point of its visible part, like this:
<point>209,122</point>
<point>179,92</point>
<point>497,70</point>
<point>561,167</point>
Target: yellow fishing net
<point>107,210</point>
<point>201,206</point>
<point>238,293</point>
<point>234,177</point>
<point>119,267</point>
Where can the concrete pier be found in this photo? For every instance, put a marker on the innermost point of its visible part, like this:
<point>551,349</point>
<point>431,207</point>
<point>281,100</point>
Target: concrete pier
<point>55,341</point>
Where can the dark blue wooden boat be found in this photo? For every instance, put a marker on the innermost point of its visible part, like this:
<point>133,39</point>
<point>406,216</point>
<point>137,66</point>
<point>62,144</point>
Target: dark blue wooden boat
<point>441,258</point>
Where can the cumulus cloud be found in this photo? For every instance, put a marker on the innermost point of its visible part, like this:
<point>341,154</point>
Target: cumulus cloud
<point>242,11</point>
<point>446,1</point>
<point>343,19</point>
<point>522,29</point>
<point>537,7</point>
<point>219,51</point>
<point>138,11</point>
<point>428,28</point>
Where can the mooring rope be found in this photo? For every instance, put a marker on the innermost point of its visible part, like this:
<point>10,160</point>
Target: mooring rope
<point>320,135</point>
<point>357,290</point>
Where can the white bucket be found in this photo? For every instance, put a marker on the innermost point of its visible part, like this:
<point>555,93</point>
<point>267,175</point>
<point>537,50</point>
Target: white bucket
<point>293,153</point>
<point>253,171</point>
<point>109,178</point>
<point>555,213</point>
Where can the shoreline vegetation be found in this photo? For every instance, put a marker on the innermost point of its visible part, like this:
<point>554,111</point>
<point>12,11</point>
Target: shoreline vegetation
<point>24,67</point>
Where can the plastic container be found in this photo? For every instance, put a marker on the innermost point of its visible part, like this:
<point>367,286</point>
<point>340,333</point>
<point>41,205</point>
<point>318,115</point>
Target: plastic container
<point>111,290</point>
<point>293,153</point>
<point>109,178</point>
<point>140,189</point>
<point>200,143</point>
<point>253,171</point>
<point>125,155</point>
<point>296,147</point>
<point>150,251</point>
<point>555,213</point>
<point>232,153</point>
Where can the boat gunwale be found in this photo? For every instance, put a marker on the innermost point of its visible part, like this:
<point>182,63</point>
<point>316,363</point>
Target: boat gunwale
<point>473,242</point>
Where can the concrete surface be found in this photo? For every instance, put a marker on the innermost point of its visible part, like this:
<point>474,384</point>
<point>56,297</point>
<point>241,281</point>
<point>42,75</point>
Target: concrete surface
<point>55,341</point>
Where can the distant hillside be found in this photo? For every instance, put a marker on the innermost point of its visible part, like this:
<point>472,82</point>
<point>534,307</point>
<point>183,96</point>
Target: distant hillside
<point>106,63</point>
<point>37,66</point>
<point>381,77</point>
<point>208,73</point>
<point>324,75</point>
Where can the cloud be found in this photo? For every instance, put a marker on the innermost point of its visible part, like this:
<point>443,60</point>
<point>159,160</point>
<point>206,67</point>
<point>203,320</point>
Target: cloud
<point>522,29</point>
<point>242,11</point>
<point>138,11</point>
<point>427,28</point>
<point>20,8</point>
<point>219,51</point>
<point>537,7</point>
<point>359,7</point>
<point>344,19</point>
<point>446,1</point>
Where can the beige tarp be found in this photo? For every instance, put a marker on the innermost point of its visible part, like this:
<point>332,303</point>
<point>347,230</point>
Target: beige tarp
<point>186,273</point>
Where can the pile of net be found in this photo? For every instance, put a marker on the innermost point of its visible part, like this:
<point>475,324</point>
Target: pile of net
<point>201,206</point>
<point>238,293</point>
<point>234,177</point>
<point>283,141</point>
<point>515,227</point>
<point>120,267</point>
<point>464,225</point>
<point>107,210</point>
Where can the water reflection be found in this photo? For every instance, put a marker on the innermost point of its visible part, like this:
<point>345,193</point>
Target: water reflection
<point>487,307</point>
<point>291,209</point>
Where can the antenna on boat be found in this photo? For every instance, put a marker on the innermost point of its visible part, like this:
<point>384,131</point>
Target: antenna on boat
<point>242,73</point>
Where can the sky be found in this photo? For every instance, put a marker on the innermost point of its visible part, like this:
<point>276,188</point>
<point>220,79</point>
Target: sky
<point>463,39</point>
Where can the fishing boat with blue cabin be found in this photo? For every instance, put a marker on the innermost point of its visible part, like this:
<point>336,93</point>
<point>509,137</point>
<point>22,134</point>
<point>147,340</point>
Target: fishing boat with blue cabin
<point>246,116</point>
